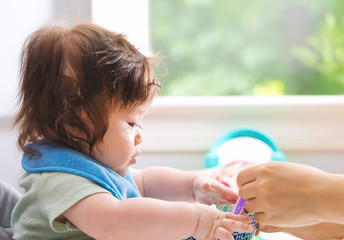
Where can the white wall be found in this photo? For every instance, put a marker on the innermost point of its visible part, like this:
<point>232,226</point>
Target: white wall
<point>18,18</point>
<point>10,155</point>
<point>129,17</point>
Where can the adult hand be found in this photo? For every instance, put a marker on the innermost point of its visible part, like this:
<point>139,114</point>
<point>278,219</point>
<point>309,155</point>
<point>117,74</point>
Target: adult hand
<point>319,231</point>
<point>284,194</point>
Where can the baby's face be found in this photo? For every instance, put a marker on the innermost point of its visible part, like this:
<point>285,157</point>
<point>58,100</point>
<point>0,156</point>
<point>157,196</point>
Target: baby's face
<point>119,148</point>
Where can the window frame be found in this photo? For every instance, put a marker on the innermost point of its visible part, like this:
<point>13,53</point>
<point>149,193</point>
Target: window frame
<point>297,123</point>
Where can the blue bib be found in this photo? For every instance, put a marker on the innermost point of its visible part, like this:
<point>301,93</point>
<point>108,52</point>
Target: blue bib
<point>54,158</point>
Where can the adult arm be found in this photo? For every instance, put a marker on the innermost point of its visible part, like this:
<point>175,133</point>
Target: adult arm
<point>291,195</point>
<point>318,231</point>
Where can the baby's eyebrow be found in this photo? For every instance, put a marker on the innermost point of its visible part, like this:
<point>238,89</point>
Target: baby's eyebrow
<point>139,111</point>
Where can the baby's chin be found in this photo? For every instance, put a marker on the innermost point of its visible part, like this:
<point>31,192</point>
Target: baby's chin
<point>124,171</point>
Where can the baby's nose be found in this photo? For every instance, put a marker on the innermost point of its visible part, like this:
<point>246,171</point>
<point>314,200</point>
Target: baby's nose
<point>138,138</point>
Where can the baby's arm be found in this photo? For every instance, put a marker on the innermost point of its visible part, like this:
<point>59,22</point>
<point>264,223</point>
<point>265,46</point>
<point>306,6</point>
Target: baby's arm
<point>102,216</point>
<point>165,183</point>
<point>177,185</point>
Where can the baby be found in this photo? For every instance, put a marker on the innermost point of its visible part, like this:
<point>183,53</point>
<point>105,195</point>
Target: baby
<point>84,92</point>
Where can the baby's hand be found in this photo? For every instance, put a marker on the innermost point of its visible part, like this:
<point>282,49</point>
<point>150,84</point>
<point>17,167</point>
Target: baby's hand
<point>214,224</point>
<point>209,191</point>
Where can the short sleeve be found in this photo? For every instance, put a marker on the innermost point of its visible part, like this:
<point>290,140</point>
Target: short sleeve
<point>60,191</point>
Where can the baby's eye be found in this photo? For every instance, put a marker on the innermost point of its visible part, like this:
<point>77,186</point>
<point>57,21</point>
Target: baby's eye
<point>134,125</point>
<point>131,124</point>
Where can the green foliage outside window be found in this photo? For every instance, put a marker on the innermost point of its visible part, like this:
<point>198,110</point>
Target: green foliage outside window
<point>246,47</point>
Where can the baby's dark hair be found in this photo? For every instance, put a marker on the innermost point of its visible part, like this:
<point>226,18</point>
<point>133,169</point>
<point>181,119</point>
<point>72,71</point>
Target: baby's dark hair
<point>70,79</point>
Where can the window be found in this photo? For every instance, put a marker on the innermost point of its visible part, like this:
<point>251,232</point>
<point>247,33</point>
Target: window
<point>265,47</point>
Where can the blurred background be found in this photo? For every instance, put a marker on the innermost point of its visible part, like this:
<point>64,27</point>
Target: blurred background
<point>244,47</point>
<point>275,65</point>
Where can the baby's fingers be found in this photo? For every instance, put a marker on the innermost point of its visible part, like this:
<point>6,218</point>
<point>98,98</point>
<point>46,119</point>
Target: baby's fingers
<point>232,223</point>
<point>237,223</point>
<point>222,234</point>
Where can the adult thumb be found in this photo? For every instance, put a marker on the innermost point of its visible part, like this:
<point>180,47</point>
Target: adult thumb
<point>271,229</point>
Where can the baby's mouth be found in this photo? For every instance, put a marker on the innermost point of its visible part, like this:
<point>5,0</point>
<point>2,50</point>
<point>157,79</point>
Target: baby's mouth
<point>133,160</point>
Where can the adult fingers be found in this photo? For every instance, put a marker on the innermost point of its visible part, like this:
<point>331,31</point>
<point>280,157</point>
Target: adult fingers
<point>253,206</point>
<point>260,217</point>
<point>272,229</point>
<point>247,175</point>
<point>258,230</point>
<point>248,191</point>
